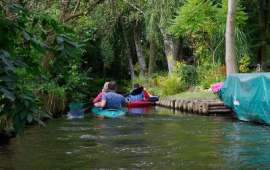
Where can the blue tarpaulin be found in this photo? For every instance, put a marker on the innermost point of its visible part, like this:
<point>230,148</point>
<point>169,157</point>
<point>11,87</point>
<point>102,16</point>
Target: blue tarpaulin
<point>248,95</point>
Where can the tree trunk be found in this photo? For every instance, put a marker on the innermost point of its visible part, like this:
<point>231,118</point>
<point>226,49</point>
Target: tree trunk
<point>231,66</point>
<point>128,54</point>
<point>263,19</point>
<point>131,67</point>
<point>139,51</point>
<point>64,10</point>
<point>152,58</point>
<point>171,48</point>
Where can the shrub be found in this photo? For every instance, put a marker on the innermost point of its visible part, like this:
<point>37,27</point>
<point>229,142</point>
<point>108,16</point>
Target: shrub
<point>53,98</point>
<point>209,74</point>
<point>171,84</point>
<point>19,105</point>
<point>163,84</point>
<point>244,64</point>
<point>188,73</point>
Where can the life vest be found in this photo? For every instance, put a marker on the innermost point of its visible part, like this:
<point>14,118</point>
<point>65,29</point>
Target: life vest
<point>137,97</point>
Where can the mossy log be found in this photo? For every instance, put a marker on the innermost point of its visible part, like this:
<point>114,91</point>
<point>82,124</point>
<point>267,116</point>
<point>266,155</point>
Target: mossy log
<point>204,107</point>
<point>226,110</point>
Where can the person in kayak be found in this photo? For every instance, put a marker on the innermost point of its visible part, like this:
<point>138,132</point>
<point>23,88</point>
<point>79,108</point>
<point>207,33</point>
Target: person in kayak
<point>111,99</point>
<point>103,91</point>
<point>138,93</point>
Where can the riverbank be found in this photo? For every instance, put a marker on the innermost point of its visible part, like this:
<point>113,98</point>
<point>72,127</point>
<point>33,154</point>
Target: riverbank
<point>193,95</point>
<point>5,136</point>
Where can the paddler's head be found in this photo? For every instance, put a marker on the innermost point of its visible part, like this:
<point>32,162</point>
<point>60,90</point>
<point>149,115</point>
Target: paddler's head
<point>136,85</point>
<point>112,86</point>
<point>105,87</point>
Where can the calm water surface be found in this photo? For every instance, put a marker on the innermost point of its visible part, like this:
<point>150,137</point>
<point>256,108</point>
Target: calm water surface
<point>159,140</point>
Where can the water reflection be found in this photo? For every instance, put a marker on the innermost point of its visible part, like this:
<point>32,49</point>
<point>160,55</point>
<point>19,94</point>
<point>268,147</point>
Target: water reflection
<point>248,144</point>
<point>141,110</point>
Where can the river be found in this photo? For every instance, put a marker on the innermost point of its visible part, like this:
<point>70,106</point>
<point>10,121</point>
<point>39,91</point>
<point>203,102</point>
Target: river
<point>161,139</point>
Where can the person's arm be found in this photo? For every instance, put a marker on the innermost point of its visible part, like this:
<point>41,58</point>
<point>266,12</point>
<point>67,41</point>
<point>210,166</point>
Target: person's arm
<point>101,104</point>
<point>124,101</point>
<point>103,101</point>
<point>98,98</point>
<point>146,95</point>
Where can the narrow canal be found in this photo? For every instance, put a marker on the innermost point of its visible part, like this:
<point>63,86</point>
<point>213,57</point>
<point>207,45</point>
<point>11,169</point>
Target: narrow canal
<point>160,139</point>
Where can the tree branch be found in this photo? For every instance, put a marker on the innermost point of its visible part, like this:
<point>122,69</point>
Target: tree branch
<point>76,7</point>
<point>85,12</point>
<point>134,6</point>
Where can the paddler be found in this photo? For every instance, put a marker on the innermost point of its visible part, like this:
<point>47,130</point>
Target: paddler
<point>111,99</point>
<point>139,93</point>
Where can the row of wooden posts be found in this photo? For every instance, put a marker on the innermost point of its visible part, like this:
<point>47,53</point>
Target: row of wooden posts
<point>205,107</point>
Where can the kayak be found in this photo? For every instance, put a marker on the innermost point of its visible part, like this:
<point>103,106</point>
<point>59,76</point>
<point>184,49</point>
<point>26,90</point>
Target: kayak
<point>108,113</point>
<point>140,103</point>
<point>143,103</point>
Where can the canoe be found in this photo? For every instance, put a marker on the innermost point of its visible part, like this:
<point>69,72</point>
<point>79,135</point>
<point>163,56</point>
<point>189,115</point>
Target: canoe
<point>108,113</point>
<point>140,103</point>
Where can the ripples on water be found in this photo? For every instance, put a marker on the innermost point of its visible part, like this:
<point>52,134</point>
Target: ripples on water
<point>161,139</point>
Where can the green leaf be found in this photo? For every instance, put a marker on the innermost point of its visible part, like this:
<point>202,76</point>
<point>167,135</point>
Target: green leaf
<point>23,115</point>
<point>8,78</point>
<point>26,36</point>
<point>42,47</point>
<point>5,57</point>
<point>28,97</point>
<point>60,40</point>
<point>40,122</point>
<point>30,118</point>
<point>17,8</point>
<point>8,94</point>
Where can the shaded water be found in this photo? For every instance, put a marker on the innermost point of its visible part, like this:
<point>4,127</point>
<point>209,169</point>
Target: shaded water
<point>159,140</point>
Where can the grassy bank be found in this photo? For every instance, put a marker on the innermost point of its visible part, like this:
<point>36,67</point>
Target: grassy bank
<point>195,95</point>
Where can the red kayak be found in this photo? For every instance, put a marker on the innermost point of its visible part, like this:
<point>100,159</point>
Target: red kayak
<point>140,103</point>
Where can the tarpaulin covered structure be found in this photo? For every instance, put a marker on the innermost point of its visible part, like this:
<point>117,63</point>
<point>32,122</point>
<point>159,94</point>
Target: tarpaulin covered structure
<point>248,95</point>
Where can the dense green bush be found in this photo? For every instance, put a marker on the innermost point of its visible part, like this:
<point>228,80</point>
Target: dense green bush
<point>244,64</point>
<point>172,84</point>
<point>188,73</point>
<point>164,84</point>
<point>40,70</point>
<point>210,74</point>
<point>19,104</point>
